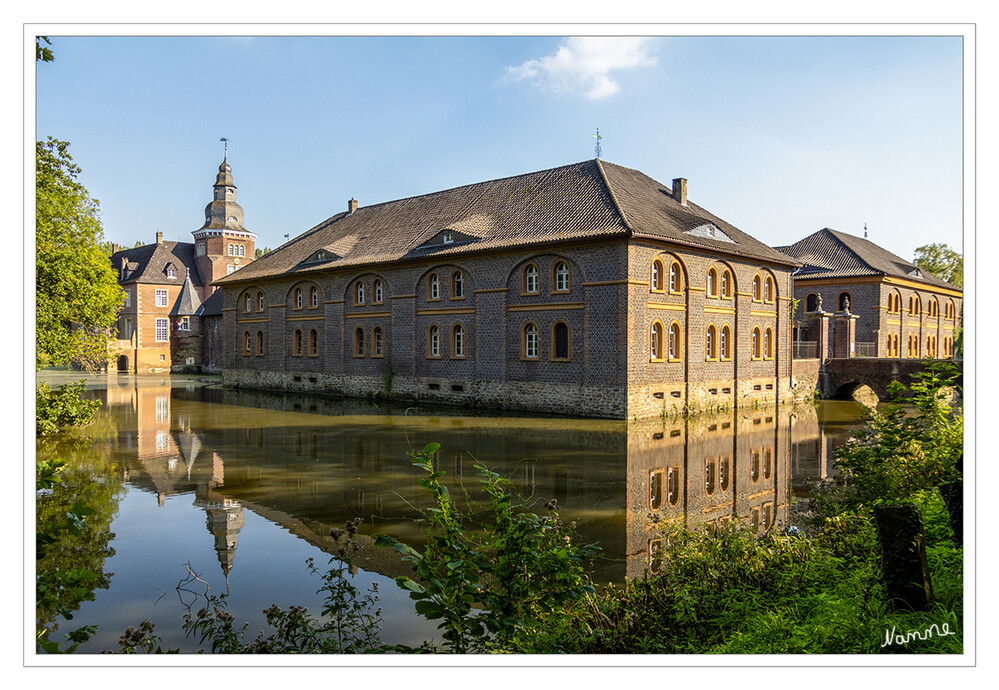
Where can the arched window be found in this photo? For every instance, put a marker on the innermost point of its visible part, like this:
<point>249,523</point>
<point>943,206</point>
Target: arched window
<point>934,308</point>
<point>297,349</point>
<point>656,489</point>
<point>711,343</point>
<point>560,340</point>
<point>724,473</point>
<point>249,303</point>
<point>673,485</point>
<point>260,301</point>
<point>359,341</point>
<point>768,290</point>
<point>657,281</point>
<point>726,284</point>
<point>458,341</point>
<point>725,343</point>
<point>656,341</point>
<point>260,343</point>
<point>709,477</point>
<point>561,281</point>
<point>298,298</point>
<point>754,466</point>
<point>712,282</point>
<point>530,279</point>
<point>811,302</point>
<point>377,293</point>
<point>675,277</point>
<point>757,289</point>
<point>314,297</point>
<point>457,285</point>
<point>434,287</point>
<point>530,341</point>
<point>248,343</point>
<point>757,353</point>
<point>434,341</point>
<point>673,344</point>
<point>377,342</point>
<point>768,343</point>
<point>314,342</point>
<point>768,462</point>
<point>359,292</point>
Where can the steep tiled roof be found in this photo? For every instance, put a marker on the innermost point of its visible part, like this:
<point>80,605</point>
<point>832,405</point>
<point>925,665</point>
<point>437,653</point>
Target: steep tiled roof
<point>831,254</point>
<point>211,306</point>
<point>588,200</point>
<point>147,264</point>
<point>188,302</point>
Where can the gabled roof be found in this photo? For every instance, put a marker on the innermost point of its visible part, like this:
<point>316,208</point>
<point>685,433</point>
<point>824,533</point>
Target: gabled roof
<point>147,264</point>
<point>832,254</point>
<point>211,306</point>
<point>588,200</point>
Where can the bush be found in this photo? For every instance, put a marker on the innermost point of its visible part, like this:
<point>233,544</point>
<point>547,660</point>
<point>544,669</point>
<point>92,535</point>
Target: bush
<point>63,407</point>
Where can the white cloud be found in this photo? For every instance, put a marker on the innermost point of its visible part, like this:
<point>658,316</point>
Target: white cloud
<point>585,63</point>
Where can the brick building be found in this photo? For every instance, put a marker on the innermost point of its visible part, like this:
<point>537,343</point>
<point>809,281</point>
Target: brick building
<point>585,289</point>
<point>168,288</point>
<point>897,309</point>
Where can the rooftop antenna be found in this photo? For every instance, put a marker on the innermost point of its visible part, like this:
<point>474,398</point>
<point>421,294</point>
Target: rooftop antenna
<point>598,138</point>
<point>865,229</point>
<point>226,152</point>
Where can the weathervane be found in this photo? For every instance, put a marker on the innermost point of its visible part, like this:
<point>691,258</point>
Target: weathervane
<point>226,141</point>
<point>865,229</point>
<point>598,138</point>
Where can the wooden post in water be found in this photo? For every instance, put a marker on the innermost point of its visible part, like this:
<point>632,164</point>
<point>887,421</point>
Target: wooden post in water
<point>953,496</point>
<point>903,557</point>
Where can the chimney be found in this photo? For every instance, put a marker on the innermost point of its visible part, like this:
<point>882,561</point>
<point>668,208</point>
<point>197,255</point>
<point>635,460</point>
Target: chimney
<point>352,205</point>
<point>159,238</point>
<point>114,247</point>
<point>680,190</point>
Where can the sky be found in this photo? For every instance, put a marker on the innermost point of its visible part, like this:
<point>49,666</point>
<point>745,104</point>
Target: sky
<point>780,136</point>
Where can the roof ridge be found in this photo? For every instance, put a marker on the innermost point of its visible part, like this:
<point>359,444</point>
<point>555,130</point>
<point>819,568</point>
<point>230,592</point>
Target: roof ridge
<point>836,236</point>
<point>613,196</point>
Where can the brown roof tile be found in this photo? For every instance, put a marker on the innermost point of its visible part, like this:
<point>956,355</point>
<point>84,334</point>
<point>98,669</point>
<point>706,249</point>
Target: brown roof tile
<point>832,254</point>
<point>591,199</point>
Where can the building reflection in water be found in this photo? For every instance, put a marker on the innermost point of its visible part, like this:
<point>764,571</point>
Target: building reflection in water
<point>624,484</point>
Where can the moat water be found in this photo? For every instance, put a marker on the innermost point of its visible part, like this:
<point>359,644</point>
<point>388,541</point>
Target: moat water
<point>241,488</point>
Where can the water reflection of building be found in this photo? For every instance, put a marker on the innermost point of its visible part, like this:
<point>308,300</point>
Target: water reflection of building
<point>700,473</point>
<point>623,483</point>
<point>162,454</point>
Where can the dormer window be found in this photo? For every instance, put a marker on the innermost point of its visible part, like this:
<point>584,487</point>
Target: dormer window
<point>171,272</point>
<point>447,237</point>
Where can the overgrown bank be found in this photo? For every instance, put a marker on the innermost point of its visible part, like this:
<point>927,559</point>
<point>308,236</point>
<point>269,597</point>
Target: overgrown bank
<point>502,577</point>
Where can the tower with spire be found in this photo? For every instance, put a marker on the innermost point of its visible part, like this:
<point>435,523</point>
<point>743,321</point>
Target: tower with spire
<point>222,244</point>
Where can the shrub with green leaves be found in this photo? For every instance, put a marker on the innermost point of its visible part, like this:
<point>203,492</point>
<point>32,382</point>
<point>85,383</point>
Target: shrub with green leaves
<point>62,407</point>
<point>496,573</point>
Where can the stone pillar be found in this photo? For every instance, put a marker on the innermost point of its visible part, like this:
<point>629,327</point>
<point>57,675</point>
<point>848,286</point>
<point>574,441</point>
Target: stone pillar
<point>845,336</point>
<point>818,330</point>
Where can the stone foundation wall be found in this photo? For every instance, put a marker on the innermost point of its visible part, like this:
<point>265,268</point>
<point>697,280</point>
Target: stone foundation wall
<point>563,399</point>
<point>641,402</point>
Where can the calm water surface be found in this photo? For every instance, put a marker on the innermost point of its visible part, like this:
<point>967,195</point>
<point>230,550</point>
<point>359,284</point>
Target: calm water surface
<point>241,488</point>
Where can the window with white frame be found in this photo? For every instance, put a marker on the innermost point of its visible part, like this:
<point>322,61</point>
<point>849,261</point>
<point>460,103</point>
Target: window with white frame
<point>162,330</point>
<point>128,297</point>
<point>161,298</point>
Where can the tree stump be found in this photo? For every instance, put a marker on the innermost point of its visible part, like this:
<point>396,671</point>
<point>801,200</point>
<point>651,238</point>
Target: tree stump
<point>903,557</point>
<point>953,496</point>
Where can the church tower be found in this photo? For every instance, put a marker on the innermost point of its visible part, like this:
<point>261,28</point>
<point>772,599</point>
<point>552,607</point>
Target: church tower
<point>222,245</point>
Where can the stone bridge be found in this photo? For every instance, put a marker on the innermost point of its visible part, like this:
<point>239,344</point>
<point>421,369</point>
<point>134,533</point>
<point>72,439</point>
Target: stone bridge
<point>840,377</point>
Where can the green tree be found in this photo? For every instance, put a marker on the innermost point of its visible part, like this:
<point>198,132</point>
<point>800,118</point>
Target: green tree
<point>260,252</point>
<point>941,261</point>
<point>43,54</point>
<point>77,291</point>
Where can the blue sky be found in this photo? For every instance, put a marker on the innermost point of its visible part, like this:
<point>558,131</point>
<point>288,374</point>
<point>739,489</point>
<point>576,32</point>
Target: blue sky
<point>780,136</point>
